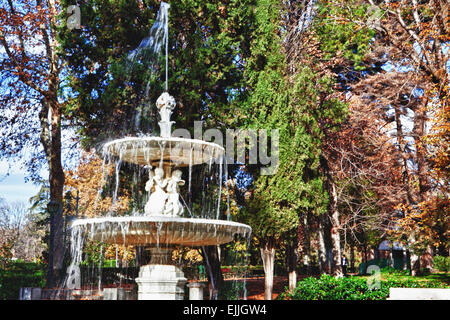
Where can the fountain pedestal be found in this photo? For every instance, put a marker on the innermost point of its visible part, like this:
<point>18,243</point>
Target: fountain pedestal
<point>160,280</point>
<point>196,290</point>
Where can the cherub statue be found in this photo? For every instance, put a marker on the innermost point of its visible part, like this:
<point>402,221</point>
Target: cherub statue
<point>157,200</point>
<point>174,206</point>
<point>150,183</point>
<point>165,103</point>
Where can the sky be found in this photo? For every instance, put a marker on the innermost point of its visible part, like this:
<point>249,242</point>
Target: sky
<point>13,186</point>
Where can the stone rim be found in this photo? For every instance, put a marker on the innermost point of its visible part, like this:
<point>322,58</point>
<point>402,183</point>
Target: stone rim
<point>160,230</point>
<point>147,151</point>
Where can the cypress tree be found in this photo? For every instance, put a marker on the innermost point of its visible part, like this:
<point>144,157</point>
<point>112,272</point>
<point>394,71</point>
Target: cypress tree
<point>293,105</point>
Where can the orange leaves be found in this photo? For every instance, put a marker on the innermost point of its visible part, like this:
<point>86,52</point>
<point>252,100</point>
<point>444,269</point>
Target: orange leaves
<point>438,143</point>
<point>429,220</point>
<point>222,8</point>
<point>122,253</point>
<point>189,255</point>
<point>88,179</point>
<point>25,45</point>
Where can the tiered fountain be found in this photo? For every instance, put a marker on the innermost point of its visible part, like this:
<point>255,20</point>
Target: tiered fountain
<point>162,226</point>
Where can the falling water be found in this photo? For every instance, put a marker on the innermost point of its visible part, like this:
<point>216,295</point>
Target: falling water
<point>190,169</point>
<point>226,186</point>
<point>150,47</point>
<point>148,52</point>
<point>220,188</point>
<point>116,189</point>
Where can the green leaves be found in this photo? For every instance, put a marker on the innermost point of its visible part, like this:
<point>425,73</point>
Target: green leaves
<point>328,287</point>
<point>20,274</point>
<point>340,33</point>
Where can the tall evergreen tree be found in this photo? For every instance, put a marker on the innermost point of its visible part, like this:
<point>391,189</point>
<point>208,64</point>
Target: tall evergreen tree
<point>295,105</point>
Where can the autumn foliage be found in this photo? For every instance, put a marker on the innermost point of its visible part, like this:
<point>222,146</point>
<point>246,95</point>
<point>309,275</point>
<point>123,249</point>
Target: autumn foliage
<point>88,180</point>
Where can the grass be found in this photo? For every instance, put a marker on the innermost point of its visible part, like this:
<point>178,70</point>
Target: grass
<point>441,277</point>
<point>403,276</point>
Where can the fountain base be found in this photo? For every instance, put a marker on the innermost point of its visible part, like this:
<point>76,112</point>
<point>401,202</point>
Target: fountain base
<point>160,280</point>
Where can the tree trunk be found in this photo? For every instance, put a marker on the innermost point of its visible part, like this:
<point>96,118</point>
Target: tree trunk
<point>365,252</point>
<point>292,259</point>
<point>427,259</point>
<point>420,120</point>
<point>51,141</point>
<point>321,256</point>
<point>415,264</point>
<point>268,258</point>
<point>306,245</point>
<point>414,258</point>
<point>333,215</point>
<point>213,270</point>
<point>402,154</point>
<point>391,257</point>
<point>335,235</point>
<point>336,245</point>
<point>352,257</point>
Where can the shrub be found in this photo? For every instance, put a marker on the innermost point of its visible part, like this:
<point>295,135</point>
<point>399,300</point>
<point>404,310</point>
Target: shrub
<point>328,287</point>
<point>19,274</point>
<point>441,263</point>
<point>231,290</point>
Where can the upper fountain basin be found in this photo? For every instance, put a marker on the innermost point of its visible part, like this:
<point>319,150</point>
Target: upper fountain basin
<point>173,151</point>
<point>162,230</point>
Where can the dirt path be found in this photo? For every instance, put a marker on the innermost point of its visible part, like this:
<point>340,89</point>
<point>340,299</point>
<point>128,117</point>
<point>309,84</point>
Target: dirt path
<point>255,287</point>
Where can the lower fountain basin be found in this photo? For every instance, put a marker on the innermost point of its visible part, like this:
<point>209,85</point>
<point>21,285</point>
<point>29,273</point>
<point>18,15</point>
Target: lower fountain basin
<point>161,230</point>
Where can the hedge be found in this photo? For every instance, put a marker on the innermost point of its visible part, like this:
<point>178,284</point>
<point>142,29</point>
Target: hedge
<point>328,287</point>
<point>17,274</point>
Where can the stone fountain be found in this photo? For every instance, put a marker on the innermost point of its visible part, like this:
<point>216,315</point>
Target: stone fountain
<point>162,225</point>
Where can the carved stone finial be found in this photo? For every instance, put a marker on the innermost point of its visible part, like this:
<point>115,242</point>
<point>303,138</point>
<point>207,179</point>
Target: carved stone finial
<point>166,104</point>
<point>165,100</point>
